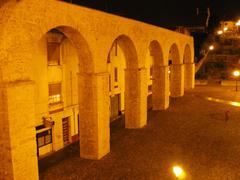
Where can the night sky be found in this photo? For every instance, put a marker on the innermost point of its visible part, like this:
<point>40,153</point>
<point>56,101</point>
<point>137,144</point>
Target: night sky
<point>167,13</point>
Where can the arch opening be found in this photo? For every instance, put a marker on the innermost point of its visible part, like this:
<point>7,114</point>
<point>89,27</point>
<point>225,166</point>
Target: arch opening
<point>187,55</point>
<point>123,82</point>
<point>189,70</point>
<point>62,56</point>
<point>155,75</point>
<point>176,70</point>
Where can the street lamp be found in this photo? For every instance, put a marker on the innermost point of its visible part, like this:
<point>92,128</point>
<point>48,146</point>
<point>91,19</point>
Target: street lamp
<point>225,28</point>
<point>211,47</point>
<point>238,23</point>
<point>236,74</point>
<point>219,32</point>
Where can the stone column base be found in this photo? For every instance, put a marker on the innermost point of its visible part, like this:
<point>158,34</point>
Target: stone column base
<point>94,115</point>
<point>136,98</point>
<point>160,88</point>
<point>177,80</point>
<point>189,80</point>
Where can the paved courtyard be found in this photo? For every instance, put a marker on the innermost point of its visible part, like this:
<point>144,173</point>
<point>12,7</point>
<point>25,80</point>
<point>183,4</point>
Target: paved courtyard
<point>192,133</point>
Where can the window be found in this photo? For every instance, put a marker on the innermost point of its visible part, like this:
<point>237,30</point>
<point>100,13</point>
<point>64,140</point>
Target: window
<point>53,53</point>
<point>115,74</point>
<point>44,138</point>
<point>54,93</point>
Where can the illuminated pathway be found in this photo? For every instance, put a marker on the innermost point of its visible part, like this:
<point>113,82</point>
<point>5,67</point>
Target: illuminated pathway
<point>191,134</point>
<point>233,103</point>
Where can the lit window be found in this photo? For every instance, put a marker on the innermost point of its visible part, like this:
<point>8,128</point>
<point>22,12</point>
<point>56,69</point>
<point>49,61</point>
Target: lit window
<point>44,138</point>
<point>40,141</point>
<point>54,93</point>
<point>53,53</point>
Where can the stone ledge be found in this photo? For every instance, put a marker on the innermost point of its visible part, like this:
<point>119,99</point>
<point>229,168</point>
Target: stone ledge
<point>16,83</point>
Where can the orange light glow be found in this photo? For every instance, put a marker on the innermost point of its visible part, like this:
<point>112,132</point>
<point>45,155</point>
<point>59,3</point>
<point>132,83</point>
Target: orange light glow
<point>220,32</point>
<point>236,73</point>
<point>178,172</point>
<point>211,47</point>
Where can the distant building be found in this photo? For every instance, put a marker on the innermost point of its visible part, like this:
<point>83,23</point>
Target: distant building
<point>221,62</point>
<point>230,25</point>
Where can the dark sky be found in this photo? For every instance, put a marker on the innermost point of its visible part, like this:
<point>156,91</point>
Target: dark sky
<point>167,13</point>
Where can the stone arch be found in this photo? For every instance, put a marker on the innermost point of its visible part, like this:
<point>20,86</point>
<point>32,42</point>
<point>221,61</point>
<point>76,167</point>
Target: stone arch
<point>129,49</point>
<point>90,94</point>
<point>189,68</point>
<point>86,64</point>
<point>187,56</point>
<point>156,52</point>
<point>174,55</point>
<point>132,80</point>
<point>157,99</point>
<point>176,73</point>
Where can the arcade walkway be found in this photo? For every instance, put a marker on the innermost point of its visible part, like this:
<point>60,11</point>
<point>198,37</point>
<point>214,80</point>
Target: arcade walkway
<point>192,133</point>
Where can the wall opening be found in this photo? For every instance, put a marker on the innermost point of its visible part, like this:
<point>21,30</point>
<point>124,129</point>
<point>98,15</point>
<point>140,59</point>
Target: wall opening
<point>175,72</point>
<point>187,61</point>
<point>63,55</point>
<point>154,64</point>
<point>123,81</point>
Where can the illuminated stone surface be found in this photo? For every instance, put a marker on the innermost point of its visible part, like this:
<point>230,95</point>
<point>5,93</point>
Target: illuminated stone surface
<point>24,25</point>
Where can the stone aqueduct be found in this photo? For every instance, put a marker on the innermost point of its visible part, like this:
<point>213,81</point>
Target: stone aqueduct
<point>92,33</point>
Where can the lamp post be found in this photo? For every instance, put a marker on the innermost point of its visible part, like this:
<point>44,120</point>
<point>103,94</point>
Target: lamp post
<point>236,74</point>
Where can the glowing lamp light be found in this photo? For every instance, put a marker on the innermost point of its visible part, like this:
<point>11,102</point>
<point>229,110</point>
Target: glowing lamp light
<point>211,47</point>
<point>219,32</point>
<point>178,172</point>
<point>238,23</point>
<point>225,28</point>
<point>169,71</point>
<point>236,73</point>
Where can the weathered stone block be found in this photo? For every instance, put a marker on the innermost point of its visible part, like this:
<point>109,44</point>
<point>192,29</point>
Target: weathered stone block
<point>177,80</point>
<point>18,155</point>
<point>94,115</point>
<point>189,79</point>
<point>160,88</point>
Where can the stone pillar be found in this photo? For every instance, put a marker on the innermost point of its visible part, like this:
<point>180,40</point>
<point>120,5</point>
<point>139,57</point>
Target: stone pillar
<point>94,115</point>
<point>18,148</point>
<point>160,85</point>
<point>136,98</point>
<point>177,80</point>
<point>143,97</point>
<point>189,79</point>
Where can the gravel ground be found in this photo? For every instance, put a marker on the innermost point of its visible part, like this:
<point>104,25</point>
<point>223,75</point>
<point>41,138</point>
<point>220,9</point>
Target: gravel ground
<point>192,133</point>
